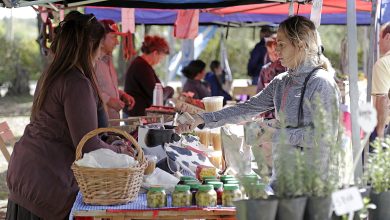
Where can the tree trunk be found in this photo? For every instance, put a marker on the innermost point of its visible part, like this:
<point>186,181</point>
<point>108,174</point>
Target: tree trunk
<point>20,84</point>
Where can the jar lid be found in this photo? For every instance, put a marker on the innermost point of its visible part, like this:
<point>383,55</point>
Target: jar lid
<point>186,182</point>
<point>250,177</point>
<point>206,188</point>
<point>184,178</point>
<point>216,185</point>
<point>156,189</point>
<point>211,180</point>
<point>194,185</point>
<point>182,188</point>
<point>230,187</point>
<point>232,182</point>
<point>224,177</point>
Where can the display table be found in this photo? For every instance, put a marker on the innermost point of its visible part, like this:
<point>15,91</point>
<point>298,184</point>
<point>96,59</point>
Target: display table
<point>139,210</point>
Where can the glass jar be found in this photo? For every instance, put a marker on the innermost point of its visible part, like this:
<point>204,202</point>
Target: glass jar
<point>194,187</point>
<point>183,179</point>
<point>226,177</point>
<point>182,196</point>
<point>209,178</point>
<point>218,187</point>
<point>231,181</point>
<point>248,181</point>
<point>208,181</point>
<point>206,196</point>
<point>231,193</point>
<point>258,191</point>
<point>156,197</point>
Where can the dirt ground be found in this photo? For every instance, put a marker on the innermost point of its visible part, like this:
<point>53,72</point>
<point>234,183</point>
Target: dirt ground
<point>16,112</point>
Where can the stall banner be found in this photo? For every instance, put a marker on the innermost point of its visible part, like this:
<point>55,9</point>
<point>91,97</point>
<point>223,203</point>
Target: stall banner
<point>128,20</point>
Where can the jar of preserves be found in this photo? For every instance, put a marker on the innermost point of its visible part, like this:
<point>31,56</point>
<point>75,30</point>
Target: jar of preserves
<point>231,193</point>
<point>182,196</point>
<point>194,188</point>
<point>183,179</point>
<point>258,191</point>
<point>206,196</point>
<point>156,197</point>
<point>218,187</point>
<point>226,177</point>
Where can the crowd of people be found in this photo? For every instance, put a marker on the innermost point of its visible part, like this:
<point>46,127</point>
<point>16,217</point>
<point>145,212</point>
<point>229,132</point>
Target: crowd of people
<point>79,93</point>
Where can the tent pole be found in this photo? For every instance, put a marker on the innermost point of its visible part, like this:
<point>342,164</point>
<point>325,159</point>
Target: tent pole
<point>373,46</point>
<point>353,84</point>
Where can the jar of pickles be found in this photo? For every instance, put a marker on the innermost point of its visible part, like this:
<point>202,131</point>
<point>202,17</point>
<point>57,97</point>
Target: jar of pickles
<point>194,187</point>
<point>218,187</point>
<point>226,177</point>
<point>231,193</point>
<point>258,191</point>
<point>181,196</point>
<point>183,179</point>
<point>156,197</point>
<point>206,196</point>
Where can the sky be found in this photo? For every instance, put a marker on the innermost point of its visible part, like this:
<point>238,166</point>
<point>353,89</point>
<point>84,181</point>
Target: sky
<point>24,12</point>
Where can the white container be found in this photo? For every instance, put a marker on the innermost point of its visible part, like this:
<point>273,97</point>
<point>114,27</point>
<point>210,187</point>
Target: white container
<point>158,95</point>
<point>213,103</point>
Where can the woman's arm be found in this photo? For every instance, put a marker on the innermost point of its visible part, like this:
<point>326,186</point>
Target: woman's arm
<point>259,103</point>
<point>81,113</point>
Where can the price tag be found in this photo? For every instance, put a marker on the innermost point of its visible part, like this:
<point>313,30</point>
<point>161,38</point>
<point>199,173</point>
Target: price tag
<point>367,117</point>
<point>347,201</point>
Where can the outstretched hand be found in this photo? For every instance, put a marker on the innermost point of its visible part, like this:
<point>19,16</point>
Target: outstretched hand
<point>187,123</point>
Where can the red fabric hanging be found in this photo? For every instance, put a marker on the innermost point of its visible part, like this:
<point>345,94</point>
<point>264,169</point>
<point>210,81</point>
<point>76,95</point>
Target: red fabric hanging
<point>186,24</point>
<point>128,46</point>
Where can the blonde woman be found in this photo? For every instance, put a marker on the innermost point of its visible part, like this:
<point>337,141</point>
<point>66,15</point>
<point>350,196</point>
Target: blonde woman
<point>291,93</point>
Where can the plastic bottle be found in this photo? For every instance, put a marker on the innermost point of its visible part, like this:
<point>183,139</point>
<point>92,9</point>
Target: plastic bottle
<point>158,95</point>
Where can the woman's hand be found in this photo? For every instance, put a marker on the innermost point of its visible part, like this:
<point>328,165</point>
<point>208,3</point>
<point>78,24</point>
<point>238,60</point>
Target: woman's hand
<point>128,100</point>
<point>268,127</point>
<point>187,123</point>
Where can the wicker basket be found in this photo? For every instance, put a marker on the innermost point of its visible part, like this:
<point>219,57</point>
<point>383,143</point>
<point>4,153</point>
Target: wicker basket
<point>109,186</point>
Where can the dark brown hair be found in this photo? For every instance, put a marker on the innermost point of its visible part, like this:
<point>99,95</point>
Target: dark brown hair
<point>76,42</point>
<point>154,43</point>
<point>193,69</point>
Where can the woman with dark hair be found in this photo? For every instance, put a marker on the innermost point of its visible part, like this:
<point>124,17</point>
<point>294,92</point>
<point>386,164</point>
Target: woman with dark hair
<point>141,77</point>
<point>65,108</point>
<point>195,73</point>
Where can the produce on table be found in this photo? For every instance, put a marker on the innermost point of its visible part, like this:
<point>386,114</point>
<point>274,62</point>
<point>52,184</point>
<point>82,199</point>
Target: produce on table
<point>181,196</point>
<point>231,193</point>
<point>206,196</point>
<point>156,197</point>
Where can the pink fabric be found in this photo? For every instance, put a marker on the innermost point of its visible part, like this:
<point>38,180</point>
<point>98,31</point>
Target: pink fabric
<point>128,20</point>
<point>186,24</point>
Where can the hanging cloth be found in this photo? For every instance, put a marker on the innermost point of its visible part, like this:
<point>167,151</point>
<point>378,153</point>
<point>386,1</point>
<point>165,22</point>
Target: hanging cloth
<point>187,24</point>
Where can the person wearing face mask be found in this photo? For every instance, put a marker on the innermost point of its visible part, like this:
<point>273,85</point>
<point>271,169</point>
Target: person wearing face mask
<point>141,77</point>
<point>107,78</point>
<point>293,94</point>
<point>66,100</point>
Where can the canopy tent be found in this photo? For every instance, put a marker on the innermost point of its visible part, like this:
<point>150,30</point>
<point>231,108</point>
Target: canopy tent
<point>162,4</point>
<point>168,17</point>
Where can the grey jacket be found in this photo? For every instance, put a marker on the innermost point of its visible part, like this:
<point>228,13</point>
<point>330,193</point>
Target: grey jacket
<point>283,93</point>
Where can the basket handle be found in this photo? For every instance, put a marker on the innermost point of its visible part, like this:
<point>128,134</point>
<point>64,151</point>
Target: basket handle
<point>95,132</point>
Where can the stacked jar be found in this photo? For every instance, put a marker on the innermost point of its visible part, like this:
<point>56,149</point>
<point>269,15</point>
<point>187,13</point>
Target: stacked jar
<point>218,187</point>
<point>182,196</point>
<point>206,196</point>
<point>156,197</point>
<point>194,188</point>
<point>231,193</point>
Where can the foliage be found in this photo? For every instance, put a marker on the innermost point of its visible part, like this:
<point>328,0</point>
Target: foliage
<point>23,51</point>
<point>378,170</point>
<point>309,171</point>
